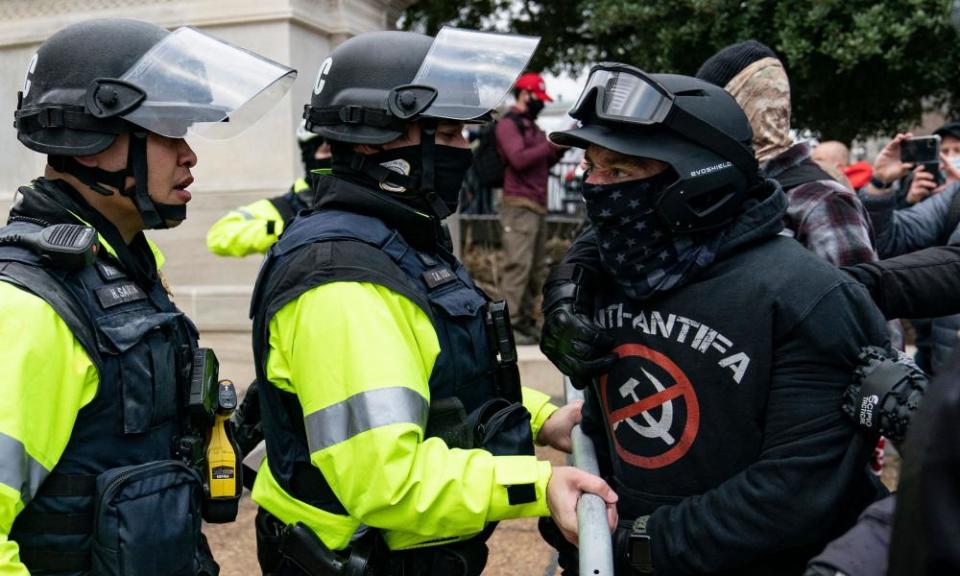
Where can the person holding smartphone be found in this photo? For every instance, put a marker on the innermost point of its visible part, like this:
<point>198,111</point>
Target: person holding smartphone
<point>934,166</point>
<point>933,222</point>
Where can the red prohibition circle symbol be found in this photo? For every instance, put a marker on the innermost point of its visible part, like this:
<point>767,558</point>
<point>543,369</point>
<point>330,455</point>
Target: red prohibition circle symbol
<point>682,388</point>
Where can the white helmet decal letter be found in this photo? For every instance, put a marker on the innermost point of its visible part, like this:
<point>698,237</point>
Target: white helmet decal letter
<point>321,76</point>
<point>30,68</point>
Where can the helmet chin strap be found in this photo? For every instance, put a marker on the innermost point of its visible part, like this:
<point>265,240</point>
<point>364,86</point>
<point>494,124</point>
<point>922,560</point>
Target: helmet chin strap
<point>428,147</point>
<point>155,214</point>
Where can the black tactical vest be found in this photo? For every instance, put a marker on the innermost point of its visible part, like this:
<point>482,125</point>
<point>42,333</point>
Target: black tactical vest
<point>118,501</point>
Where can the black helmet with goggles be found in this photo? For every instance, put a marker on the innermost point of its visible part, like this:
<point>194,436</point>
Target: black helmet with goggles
<point>695,127</point>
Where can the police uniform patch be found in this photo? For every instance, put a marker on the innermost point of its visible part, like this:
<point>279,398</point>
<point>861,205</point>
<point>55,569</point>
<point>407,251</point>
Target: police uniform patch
<point>438,277</point>
<point>117,294</point>
<point>108,272</point>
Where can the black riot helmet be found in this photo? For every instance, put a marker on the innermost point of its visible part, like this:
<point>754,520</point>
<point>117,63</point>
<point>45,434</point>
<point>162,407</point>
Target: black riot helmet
<point>95,80</point>
<point>373,85</point>
<point>695,127</point>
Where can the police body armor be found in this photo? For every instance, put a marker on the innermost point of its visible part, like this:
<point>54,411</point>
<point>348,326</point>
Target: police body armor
<point>119,501</point>
<point>339,246</point>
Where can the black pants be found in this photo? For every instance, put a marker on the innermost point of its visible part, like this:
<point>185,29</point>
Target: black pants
<point>466,558</point>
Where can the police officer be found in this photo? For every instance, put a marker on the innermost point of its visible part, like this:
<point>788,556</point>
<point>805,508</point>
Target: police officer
<point>720,409</point>
<point>96,361</point>
<point>394,435</point>
<point>253,228</point>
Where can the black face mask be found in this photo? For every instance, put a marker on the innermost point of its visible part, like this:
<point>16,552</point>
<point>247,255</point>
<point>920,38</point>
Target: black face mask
<point>450,165</point>
<point>534,108</point>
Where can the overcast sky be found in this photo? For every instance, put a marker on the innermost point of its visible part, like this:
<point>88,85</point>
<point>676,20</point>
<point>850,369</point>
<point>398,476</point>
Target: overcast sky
<point>563,88</point>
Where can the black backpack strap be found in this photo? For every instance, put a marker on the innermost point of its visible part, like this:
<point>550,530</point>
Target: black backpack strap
<point>803,173</point>
<point>46,286</point>
<point>517,120</point>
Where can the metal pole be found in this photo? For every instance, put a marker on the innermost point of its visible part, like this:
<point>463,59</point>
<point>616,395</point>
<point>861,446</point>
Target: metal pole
<point>596,547</point>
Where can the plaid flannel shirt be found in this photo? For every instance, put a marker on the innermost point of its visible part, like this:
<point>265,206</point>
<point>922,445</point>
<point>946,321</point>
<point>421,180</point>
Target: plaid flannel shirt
<point>825,216</point>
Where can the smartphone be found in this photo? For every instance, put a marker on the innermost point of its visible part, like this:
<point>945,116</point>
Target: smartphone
<point>924,150</point>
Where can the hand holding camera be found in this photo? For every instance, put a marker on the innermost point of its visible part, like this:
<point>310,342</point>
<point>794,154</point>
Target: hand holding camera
<point>888,166</point>
<point>922,185</point>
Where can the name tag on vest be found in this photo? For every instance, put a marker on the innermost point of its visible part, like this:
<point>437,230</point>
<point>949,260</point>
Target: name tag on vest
<point>108,272</point>
<point>110,296</point>
<point>438,277</point>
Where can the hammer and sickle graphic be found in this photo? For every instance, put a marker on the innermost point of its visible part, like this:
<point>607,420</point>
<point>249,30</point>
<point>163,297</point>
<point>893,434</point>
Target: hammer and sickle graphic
<point>654,428</point>
<point>640,404</point>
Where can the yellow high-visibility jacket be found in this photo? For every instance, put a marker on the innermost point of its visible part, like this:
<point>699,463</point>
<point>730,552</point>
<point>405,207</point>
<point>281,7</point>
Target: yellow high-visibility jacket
<point>361,349</point>
<point>46,378</point>
<point>250,229</point>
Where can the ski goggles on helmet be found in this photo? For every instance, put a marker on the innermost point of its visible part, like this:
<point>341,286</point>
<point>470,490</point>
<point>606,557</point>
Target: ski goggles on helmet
<point>622,94</point>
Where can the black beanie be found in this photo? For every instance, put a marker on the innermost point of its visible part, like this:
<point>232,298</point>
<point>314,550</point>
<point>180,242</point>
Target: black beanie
<point>720,68</point>
<point>949,129</point>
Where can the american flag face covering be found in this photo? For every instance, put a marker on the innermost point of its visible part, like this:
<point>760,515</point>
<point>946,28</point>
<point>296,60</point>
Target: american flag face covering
<point>636,247</point>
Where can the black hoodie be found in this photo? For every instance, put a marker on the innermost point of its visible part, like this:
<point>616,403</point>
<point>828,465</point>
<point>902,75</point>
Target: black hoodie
<point>724,409</point>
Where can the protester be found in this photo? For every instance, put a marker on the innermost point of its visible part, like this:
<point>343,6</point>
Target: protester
<point>919,184</point>
<point>916,529</point>
<point>823,215</point>
<point>252,229</point>
<point>97,360</point>
<point>394,431</point>
<point>933,222</point>
<point>926,535</point>
<point>833,157</point>
<point>527,157</point>
<point>719,418</point>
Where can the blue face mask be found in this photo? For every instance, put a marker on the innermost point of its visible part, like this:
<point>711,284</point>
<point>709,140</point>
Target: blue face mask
<point>636,247</point>
<point>955,162</point>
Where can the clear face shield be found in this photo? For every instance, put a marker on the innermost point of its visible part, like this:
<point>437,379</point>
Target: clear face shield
<point>620,93</point>
<point>196,84</point>
<point>472,71</point>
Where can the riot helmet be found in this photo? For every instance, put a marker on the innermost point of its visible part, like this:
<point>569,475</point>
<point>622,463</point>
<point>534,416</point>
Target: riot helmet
<point>374,85</point>
<point>693,126</point>
<point>95,80</point>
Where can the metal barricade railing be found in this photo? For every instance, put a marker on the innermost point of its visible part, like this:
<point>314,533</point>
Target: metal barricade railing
<point>596,546</point>
<point>563,189</point>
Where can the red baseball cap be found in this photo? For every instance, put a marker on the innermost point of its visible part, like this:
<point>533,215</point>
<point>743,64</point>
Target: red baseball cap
<point>533,83</point>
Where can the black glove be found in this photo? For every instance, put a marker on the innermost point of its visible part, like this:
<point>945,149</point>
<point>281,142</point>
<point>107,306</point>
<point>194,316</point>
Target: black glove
<point>570,339</point>
<point>886,391</point>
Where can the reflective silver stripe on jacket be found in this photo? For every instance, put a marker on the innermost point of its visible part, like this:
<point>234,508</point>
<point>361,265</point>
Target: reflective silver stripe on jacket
<point>362,412</point>
<point>246,214</point>
<point>18,469</point>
